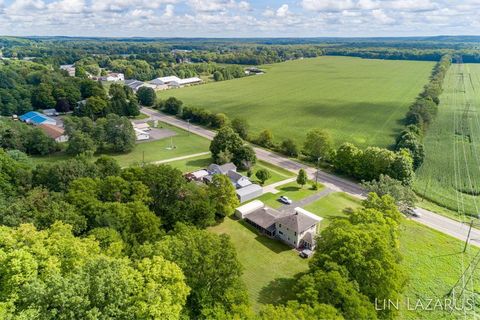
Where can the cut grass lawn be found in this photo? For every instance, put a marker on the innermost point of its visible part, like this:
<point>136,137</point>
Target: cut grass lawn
<point>152,151</point>
<point>357,100</point>
<point>450,174</point>
<point>291,190</point>
<point>269,265</point>
<point>432,259</point>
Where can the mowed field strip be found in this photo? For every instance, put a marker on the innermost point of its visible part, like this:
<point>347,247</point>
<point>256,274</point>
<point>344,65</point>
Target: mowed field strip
<point>450,175</point>
<point>357,100</point>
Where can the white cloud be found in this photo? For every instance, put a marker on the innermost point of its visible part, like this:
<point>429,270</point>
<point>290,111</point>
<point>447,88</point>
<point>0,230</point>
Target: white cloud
<point>412,5</point>
<point>282,11</point>
<point>244,5</point>
<point>67,6</point>
<point>327,5</point>
<point>21,6</point>
<point>381,17</point>
<point>169,11</point>
<point>368,4</point>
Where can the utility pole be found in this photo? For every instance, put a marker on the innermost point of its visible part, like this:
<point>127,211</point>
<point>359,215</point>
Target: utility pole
<point>318,169</point>
<point>468,235</point>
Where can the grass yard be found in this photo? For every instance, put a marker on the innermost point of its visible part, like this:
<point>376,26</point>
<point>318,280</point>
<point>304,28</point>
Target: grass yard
<point>331,206</point>
<point>432,259</point>
<point>292,190</point>
<point>278,174</point>
<point>152,151</point>
<point>450,175</point>
<point>356,100</point>
<point>269,266</point>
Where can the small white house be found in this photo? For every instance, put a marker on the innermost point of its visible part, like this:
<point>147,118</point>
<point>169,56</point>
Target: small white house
<point>114,77</point>
<point>141,135</point>
<point>50,112</point>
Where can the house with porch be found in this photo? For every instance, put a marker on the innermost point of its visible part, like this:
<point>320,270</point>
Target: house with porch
<point>298,229</point>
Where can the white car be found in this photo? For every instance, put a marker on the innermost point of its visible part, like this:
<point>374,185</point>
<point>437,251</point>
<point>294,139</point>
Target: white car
<point>284,199</point>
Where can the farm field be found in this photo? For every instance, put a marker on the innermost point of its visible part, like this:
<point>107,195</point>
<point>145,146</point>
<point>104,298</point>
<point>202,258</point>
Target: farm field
<point>450,175</point>
<point>356,100</point>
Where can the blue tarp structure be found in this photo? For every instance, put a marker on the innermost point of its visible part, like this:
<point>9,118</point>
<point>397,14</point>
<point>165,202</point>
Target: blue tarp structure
<point>37,118</point>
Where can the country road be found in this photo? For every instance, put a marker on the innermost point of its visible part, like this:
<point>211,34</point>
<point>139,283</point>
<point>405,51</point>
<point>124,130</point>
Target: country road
<point>433,220</point>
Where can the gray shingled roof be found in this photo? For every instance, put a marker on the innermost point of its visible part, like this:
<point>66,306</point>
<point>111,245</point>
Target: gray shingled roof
<point>297,222</point>
<point>265,217</point>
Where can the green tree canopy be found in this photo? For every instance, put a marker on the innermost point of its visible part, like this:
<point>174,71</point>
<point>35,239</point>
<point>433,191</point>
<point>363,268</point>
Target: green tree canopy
<point>51,274</point>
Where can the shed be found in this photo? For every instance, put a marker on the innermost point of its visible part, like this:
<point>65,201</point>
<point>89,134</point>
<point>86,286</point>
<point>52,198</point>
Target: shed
<point>248,208</point>
<point>54,132</point>
<point>249,192</point>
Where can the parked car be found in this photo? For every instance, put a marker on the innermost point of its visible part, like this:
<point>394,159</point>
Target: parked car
<point>306,253</point>
<point>412,213</point>
<point>284,199</point>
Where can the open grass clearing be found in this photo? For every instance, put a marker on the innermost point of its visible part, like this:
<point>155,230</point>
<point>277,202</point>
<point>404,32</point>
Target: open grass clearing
<point>185,144</point>
<point>450,175</point>
<point>356,100</point>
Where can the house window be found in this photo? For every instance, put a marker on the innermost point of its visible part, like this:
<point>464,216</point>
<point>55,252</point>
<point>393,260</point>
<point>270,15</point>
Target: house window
<point>295,233</point>
<point>280,232</point>
<point>280,225</point>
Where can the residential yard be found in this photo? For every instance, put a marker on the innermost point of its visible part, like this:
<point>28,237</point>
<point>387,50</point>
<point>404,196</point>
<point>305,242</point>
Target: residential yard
<point>433,260</point>
<point>291,190</point>
<point>185,144</point>
<point>355,100</point>
<point>278,174</point>
<point>269,265</point>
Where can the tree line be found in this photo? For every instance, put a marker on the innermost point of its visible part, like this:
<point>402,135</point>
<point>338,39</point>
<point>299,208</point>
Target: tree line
<point>422,112</point>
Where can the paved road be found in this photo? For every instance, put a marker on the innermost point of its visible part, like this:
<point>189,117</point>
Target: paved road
<point>435,221</point>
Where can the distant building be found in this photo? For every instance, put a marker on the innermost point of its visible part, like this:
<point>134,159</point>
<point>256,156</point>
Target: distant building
<point>37,118</point>
<point>70,68</point>
<point>141,135</point>
<point>136,84</point>
<point>142,126</point>
<point>174,82</point>
<point>50,112</point>
<point>165,81</point>
<point>185,82</point>
<point>113,77</point>
<point>297,229</point>
<point>54,132</point>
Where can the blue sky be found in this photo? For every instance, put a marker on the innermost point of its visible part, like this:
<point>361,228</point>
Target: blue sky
<point>239,18</point>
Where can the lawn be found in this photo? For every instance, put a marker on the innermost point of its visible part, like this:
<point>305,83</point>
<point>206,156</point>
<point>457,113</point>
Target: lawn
<point>269,266</point>
<point>450,175</point>
<point>278,174</point>
<point>291,190</point>
<point>331,206</point>
<point>185,144</point>
<point>432,259</point>
<point>357,100</point>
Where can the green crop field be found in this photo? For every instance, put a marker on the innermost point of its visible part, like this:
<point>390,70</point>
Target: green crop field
<point>356,100</point>
<point>450,175</point>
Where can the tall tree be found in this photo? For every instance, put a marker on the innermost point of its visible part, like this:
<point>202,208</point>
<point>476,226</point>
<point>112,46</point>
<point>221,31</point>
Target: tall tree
<point>318,144</point>
<point>146,96</point>
<point>223,195</point>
